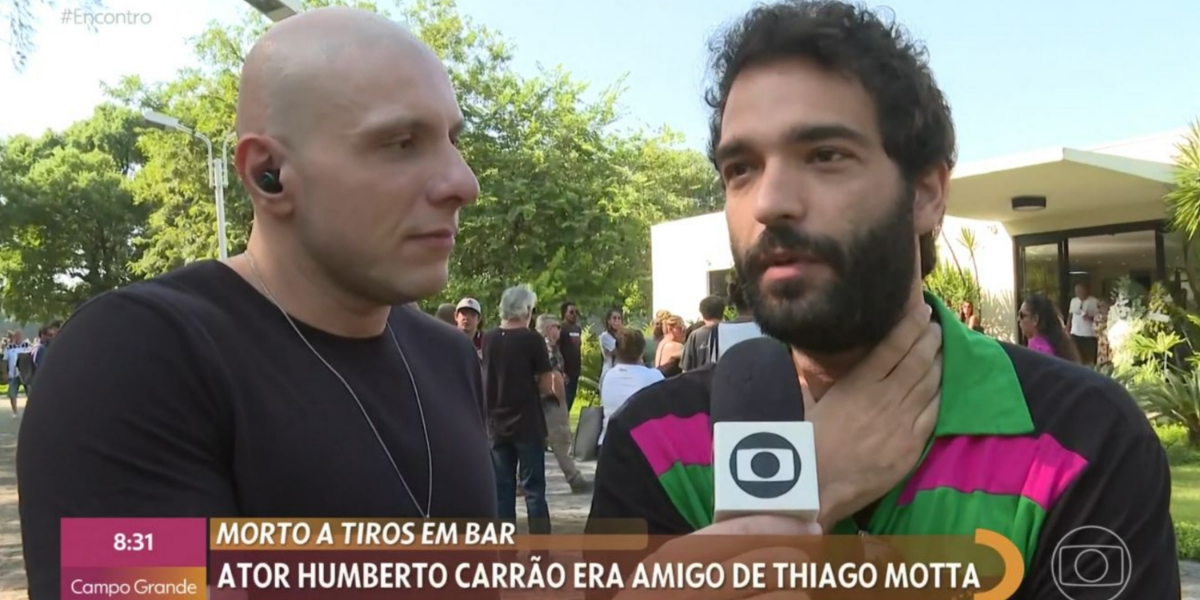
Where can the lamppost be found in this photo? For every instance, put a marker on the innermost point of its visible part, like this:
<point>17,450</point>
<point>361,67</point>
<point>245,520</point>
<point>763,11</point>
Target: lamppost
<point>276,10</point>
<point>216,170</point>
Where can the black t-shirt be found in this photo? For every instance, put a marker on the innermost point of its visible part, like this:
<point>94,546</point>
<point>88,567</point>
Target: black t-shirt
<point>570,343</point>
<point>1087,458</point>
<point>212,406</point>
<point>512,361</point>
<point>696,352</point>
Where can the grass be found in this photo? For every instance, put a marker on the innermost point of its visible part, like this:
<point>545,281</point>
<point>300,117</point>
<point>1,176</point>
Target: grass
<point>1185,493</point>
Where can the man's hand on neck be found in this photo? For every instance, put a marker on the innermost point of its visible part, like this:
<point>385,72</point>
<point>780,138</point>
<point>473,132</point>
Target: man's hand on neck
<point>818,372</point>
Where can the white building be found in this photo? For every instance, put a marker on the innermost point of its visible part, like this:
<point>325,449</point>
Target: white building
<point>1042,220</point>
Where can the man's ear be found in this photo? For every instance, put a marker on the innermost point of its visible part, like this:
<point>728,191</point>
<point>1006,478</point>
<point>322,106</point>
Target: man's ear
<point>929,205</point>
<point>255,156</point>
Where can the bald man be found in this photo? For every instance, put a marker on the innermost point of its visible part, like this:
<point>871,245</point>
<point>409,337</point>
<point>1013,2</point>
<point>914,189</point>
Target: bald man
<point>296,379</point>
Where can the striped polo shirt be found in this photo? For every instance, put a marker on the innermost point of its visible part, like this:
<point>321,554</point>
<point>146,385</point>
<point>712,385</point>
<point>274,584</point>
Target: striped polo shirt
<point>1026,445</point>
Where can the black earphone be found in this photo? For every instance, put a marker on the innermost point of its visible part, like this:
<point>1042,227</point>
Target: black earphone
<point>269,182</point>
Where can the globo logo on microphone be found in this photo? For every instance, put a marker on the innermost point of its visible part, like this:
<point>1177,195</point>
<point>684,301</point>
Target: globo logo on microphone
<point>764,467</point>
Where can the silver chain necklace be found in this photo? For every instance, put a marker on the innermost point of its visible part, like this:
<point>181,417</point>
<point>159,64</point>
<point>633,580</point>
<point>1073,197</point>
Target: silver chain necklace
<point>411,379</point>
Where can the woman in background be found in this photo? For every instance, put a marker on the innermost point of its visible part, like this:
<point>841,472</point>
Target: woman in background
<point>966,314</point>
<point>670,351</point>
<point>608,341</point>
<point>656,336</point>
<point>1042,325</point>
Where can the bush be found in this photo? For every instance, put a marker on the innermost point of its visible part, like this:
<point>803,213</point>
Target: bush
<point>1174,439</point>
<point>1187,540</point>
<point>589,356</point>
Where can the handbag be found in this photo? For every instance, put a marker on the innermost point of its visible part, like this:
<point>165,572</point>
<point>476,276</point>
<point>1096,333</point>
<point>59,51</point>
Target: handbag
<point>585,447</point>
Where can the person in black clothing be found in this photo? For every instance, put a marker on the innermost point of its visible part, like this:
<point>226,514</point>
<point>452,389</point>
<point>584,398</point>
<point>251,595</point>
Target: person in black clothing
<point>570,345</point>
<point>517,378</point>
<point>696,347</point>
<point>296,379</point>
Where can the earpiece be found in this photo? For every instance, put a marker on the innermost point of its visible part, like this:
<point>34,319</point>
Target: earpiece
<point>269,182</point>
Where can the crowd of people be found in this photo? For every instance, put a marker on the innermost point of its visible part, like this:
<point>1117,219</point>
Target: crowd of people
<point>529,398</point>
<point>298,379</point>
<point>23,358</point>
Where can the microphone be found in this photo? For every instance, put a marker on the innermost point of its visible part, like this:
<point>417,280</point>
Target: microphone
<point>764,455</point>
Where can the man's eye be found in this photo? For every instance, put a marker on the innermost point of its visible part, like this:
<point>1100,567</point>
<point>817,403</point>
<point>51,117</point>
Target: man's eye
<point>734,170</point>
<point>827,155</point>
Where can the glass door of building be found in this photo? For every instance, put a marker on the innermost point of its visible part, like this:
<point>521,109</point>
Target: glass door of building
<point>1040,271</point>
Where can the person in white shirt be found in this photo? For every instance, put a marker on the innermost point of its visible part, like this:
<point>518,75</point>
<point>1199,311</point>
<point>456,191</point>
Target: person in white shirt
<point>627,377</point>
<point>1083,310</point>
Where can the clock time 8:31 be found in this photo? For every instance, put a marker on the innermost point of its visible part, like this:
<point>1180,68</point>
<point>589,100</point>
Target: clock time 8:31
<point>134,542</point>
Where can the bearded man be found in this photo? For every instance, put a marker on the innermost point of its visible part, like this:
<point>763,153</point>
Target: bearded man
<point>835,146</point>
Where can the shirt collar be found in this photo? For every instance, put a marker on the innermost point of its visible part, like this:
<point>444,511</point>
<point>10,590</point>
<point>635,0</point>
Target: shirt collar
<point>981,394</point>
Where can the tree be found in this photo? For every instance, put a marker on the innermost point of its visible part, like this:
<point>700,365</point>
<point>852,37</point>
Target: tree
<point>68,220</point>
<point>1183,204</point>
<point>567,201</point>
<point>22,25</point>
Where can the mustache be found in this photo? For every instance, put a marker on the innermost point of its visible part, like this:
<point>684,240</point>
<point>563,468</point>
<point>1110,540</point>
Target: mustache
<point>776,238</point>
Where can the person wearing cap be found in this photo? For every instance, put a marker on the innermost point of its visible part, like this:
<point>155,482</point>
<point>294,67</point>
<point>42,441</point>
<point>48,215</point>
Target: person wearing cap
<point>467,315</point>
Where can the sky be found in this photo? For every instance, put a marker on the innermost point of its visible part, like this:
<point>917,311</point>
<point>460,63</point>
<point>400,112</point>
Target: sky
<point>1019,75</point>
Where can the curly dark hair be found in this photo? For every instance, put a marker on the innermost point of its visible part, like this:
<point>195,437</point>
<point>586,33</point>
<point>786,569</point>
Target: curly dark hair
<point>913,115</point>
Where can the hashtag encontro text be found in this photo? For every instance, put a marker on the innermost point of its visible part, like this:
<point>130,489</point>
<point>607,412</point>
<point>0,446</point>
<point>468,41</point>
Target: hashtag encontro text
<point>76,16</point>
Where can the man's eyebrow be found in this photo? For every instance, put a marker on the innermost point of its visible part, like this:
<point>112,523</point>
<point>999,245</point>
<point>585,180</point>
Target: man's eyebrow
<point>801,134</point>
<point>383,127</point>
<point>821,133</point>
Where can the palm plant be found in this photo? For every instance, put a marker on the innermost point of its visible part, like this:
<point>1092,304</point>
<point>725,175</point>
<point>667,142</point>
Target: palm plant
<point>1183,204</point>
<point>1175,399</point>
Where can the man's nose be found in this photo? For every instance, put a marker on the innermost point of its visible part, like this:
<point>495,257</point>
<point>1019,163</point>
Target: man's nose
<point>457,182</point>
<point>781,194</point>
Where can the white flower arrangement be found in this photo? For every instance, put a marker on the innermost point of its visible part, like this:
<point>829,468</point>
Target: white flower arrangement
<point>1126,319</point>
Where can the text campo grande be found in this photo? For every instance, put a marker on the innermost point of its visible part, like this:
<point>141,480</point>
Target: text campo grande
<point>585,575</point>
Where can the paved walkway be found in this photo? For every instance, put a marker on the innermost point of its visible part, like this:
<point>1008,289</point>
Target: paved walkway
<point>568,510</point>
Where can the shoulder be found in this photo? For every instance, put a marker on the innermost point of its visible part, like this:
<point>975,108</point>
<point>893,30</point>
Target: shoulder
<point>1074,401</point>
<point>180,302</point>
<point>683,396</point>
<point>434,335</point>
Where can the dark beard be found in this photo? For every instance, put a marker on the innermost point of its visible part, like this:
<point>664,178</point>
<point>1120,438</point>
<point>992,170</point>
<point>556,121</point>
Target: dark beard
<point>873,275</point>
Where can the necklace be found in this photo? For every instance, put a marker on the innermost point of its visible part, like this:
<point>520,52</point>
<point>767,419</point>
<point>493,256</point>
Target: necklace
<point>370,422</point>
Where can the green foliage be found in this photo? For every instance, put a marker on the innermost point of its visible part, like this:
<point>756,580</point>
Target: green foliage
<point>590,356</point>
<point>68,220</point>
<point>1187,540</point>
<point>954,282</point>
<point>1173,399</point>
<point>953,285</point>
<point>1178,447</point>
<point>1183,204</point>
<point>1183,201</point>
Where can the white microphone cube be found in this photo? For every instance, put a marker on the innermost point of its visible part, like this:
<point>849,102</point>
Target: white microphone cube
<point>765,468</point>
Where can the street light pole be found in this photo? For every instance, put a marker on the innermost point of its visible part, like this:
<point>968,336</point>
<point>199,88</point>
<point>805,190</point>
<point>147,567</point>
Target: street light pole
<point>276,10</point>
<point>222,170</point>
<point>216,171</point>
